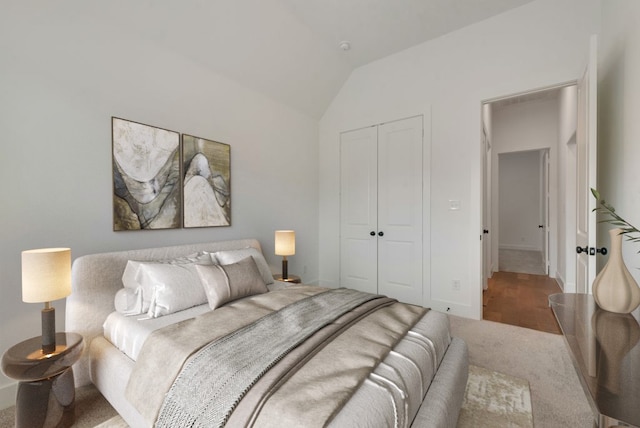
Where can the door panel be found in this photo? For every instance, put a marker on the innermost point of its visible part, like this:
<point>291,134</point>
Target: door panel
<point>400,209</point>
<point>358,209</point>
<point>586,153</point>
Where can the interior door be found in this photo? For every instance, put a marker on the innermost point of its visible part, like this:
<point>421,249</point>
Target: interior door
<point>358,209</point>
<point>486,210</point>
<point>586,154</point>
<point>400,209</point>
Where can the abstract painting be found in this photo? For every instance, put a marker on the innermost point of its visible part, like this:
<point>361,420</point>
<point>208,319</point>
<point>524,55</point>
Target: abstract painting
<point>206,182</point>
<point>146,176</point>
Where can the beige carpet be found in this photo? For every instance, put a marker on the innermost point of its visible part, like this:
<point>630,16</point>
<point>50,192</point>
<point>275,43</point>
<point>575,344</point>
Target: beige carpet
<point>521,261</point>
<point>541,358</point>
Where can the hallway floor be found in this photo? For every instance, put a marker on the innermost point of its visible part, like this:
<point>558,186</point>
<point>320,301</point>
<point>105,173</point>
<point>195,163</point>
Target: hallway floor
<point>521,299</point>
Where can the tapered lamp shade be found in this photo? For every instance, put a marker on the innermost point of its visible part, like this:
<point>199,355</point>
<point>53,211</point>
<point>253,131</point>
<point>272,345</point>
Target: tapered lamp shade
<point>46,274</point>
<point>285,242</point>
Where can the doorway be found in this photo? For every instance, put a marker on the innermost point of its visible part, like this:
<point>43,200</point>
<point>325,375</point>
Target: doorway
<point>526,208</point>
<point>523,212</point>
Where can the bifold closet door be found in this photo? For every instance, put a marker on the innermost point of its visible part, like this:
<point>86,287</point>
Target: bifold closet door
<point>381,209</point>
<point>359,209</point>
<point>400,209</point>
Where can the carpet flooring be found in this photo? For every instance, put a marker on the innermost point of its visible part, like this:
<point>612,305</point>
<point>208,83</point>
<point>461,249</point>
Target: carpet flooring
<point>521,261</point>
<point>541,358</point>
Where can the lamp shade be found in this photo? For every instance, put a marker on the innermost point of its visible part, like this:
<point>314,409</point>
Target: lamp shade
<point>46,274</point>
<point>285,242</point>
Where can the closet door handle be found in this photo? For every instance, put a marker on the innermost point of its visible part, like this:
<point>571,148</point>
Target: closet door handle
<point>372,233</point>
<point>380,233</point>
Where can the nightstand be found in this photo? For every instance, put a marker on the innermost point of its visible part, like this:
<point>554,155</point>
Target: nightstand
<point>294,279</point>
<point>46,391</point>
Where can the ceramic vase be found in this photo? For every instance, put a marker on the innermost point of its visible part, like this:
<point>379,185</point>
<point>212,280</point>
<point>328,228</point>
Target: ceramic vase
<point>614,289</point>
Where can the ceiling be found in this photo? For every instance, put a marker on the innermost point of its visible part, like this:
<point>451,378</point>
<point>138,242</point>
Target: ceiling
<point>378,28</point>
<point>288,50</point>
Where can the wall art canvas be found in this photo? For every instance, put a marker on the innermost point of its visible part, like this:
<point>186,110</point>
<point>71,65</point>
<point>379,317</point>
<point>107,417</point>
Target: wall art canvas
<point>206,182</point>
<point>146,176</point>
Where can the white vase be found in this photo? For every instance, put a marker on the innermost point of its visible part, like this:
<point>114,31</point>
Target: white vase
<point>614,289</point>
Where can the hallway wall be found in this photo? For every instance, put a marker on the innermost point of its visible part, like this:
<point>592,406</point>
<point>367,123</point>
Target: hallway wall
<point>519,196</point>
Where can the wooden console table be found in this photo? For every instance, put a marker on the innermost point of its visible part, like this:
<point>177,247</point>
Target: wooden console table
<point>605,350</point>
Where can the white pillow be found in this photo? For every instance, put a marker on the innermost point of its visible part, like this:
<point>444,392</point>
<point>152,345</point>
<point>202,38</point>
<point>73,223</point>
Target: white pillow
<point>232,256</point>
<point>230,282</point>
<point>131,270</point>
<point>129,302</point>
<point>160,288</point>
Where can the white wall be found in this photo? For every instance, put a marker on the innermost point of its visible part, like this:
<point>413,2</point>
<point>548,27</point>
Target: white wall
<point>618,124</point>
<point>540,44</point>
<point>568,106</point>
<point>519,201</point>
<point>61,80</point>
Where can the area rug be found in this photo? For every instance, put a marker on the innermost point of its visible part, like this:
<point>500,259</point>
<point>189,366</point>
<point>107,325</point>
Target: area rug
<point>492,400</point>
<point>495,400</point>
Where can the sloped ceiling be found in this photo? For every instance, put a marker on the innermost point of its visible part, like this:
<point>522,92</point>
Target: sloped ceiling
<point>287,49</point>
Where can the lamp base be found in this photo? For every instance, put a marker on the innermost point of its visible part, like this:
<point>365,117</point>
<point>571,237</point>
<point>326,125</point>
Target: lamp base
<point>48,329</point>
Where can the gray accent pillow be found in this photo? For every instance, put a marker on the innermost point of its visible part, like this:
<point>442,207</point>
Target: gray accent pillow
<point>224,283</point>
<point>232,256</point>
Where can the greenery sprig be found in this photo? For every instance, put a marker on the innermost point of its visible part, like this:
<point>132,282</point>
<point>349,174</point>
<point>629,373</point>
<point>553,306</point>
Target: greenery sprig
<point>615,219</point>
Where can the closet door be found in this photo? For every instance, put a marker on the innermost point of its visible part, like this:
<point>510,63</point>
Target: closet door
<point>358,209</point>
<point>400,209</point>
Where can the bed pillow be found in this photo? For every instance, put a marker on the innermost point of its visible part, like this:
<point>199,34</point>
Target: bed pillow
<point>224,283</point>
<point>129,302</point>
<point>162,287</point>
<point>131,270</point>
<point>232,256</point>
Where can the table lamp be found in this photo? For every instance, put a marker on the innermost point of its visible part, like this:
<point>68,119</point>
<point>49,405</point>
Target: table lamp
<point>46,276</point>
<point>285,246</point>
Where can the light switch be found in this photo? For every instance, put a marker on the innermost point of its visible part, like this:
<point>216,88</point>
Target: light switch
<point>454,204</point>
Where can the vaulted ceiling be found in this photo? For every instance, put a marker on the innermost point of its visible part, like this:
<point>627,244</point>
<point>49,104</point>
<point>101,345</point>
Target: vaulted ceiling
<point>289,50</point>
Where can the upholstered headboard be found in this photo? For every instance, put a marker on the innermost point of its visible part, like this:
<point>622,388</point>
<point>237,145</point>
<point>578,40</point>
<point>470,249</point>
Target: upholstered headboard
<point>96,278</point>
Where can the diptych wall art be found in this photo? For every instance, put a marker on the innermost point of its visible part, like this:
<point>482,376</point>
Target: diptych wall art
<point>154,187</point>
<point>206,175</point>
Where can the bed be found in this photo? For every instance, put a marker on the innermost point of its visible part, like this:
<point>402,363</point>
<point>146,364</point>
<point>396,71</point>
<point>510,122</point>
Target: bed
<point>286,355</point>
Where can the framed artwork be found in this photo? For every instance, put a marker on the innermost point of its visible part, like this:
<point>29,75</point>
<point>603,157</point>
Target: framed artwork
<point>206,167</point>
<point>146,176</point>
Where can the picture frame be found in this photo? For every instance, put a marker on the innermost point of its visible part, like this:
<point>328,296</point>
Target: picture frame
<point>206,182</point>
<point>146,176</point>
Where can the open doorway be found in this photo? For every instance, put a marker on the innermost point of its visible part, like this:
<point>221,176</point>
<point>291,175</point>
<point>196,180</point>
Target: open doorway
<point>525,206</point>
<point>523,212</point>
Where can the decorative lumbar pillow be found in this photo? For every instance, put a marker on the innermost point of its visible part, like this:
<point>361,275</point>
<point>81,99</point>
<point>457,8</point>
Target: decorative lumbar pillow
<point>230,282</point>
<point>232,256</point>
<point>162,287</point>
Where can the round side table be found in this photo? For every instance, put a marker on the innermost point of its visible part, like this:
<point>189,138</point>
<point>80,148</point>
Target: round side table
<point>46,391</point>
<point>294,279</point>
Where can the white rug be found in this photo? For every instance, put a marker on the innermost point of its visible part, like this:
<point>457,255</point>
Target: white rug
<point>492,400</point>
<point>495,400</point>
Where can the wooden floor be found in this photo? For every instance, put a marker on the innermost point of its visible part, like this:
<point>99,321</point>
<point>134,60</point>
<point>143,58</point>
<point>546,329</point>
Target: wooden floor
<point>521,299</point>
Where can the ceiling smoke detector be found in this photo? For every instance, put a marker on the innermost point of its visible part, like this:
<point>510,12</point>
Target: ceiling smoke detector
<point>345,46</point>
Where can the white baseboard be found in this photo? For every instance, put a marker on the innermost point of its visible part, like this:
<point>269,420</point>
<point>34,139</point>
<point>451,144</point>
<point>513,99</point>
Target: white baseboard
<point>8,395</point>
